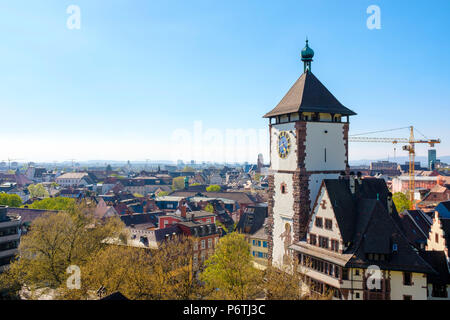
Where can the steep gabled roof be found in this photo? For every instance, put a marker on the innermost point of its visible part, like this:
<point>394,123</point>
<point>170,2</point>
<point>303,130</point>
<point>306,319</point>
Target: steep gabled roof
<point>367,227</point>
<point>443,209</point>
<point>160,234</point>
<point>308,94</point>
<point>346,206</point>
<point>252,219</point>
<point>380,236</point>
<point>415,226</point>
<point>343,206</point>
<point>437,260</point>
<point>445,223</point>
<point>136,219</point>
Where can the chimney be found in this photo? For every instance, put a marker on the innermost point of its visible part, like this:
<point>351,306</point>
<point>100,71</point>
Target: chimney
<point>358,177</point>
<point>390,203</point>
<point>182,207</point>
<point>352,183</point>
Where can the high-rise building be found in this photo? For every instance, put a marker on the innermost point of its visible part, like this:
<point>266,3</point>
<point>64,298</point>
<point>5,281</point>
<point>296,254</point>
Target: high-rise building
<point>431,159</point>
<point>309,143</point>
<point>260,161</point>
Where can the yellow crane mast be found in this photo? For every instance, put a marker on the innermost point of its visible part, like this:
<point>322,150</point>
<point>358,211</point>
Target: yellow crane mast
<point>410,147</point>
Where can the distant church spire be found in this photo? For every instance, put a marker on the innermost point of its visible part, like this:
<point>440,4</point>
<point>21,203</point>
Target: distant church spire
<point>307,55</point>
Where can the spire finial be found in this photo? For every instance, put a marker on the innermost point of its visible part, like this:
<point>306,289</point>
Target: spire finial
<point>307,55</point>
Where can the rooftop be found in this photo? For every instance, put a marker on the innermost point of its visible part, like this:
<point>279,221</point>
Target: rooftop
<point>308,94</point>
<point>73,175</point>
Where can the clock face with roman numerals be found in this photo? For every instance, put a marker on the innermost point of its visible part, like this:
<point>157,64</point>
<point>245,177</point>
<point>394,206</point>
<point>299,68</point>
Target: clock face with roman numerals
<point>284,144</point>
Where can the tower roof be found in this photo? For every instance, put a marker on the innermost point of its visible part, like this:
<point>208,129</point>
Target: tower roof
<point>308,94</point>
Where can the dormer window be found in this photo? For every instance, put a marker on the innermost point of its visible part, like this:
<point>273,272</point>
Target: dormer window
<point>312,239</point>
<point>335,245</point>
<point>376,256</point>
<point>323,242</point>
<point>344,274</point>
<point>319,222</point>
<point>315,117</point>
<point>407,279</point>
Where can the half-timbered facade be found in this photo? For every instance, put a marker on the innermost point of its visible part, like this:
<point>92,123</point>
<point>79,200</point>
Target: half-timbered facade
<point>354,247</point>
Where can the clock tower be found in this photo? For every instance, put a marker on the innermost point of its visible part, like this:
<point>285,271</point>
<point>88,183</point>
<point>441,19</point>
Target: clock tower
<point>308,143</point>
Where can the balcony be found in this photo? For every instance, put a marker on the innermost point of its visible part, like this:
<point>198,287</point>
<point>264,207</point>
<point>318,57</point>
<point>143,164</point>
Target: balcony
<point>9,238</point>
<point>7,253</point>
<point>320,276</point>
<point>10,223</point>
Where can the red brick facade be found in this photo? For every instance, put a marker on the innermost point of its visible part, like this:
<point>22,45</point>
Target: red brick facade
<point>345,132</point>
<point>301,185</point>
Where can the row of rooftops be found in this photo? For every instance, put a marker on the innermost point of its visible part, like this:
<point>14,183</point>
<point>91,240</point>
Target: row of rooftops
<point>195,199</point>
<point>146,222</point>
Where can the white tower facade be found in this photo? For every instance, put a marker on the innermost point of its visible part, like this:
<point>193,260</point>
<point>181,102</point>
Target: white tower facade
<point>308,143</point>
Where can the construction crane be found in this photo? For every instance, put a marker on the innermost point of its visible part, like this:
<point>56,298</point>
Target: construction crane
<point>146,163</point>
<point>73,166</point>
<point>9,162</point>
<point>410,147</point>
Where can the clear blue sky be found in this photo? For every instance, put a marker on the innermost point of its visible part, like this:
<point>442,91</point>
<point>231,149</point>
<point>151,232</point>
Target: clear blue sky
<point>137,71</point>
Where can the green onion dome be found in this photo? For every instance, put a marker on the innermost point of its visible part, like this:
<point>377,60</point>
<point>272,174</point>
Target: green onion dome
<point>307,53</point>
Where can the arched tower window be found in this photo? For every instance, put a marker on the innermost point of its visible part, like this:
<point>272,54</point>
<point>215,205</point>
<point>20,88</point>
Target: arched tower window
<point>283,188</point>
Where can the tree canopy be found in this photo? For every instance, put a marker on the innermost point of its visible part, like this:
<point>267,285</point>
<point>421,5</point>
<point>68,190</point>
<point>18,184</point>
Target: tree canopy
<point>213,188</point>
<point>55,242</point>
<point>10,200</point>
<point>37,191</point>
<point>401,202</point>
<point>162,193</point>
<point>59,240</point>
<point>178,183</point>
<point>229,272</point>
<point>209,207</point>
<point>280,283</point>
<point>58,203</point>
<point>140,273</point>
